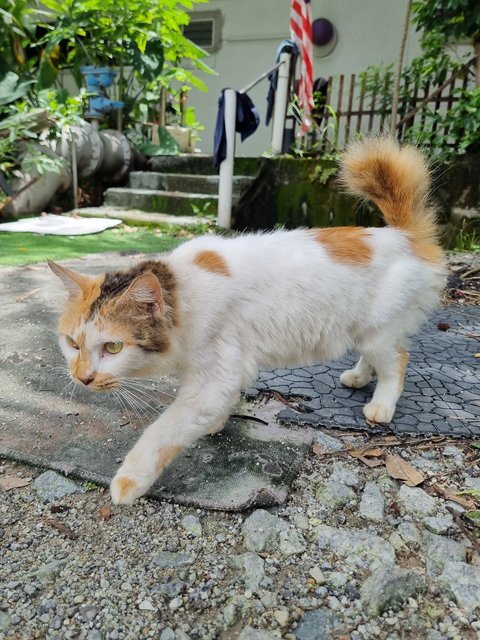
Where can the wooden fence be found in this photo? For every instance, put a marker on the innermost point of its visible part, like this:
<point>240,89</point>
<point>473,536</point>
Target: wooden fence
<point>356,106</point>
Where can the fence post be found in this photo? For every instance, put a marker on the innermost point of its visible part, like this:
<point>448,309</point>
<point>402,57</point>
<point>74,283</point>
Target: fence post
<point>225,185</point>
<point>281,96</point>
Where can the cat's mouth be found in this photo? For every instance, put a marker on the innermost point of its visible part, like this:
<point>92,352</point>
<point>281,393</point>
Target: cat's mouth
<point>99,384</point>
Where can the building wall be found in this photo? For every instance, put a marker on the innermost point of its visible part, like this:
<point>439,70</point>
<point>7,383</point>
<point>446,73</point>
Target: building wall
<point>369,32</point>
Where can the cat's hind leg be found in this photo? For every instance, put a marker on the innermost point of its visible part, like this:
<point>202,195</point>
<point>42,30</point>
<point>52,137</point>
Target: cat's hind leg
<point>390,366</point>
<point>359,376</point>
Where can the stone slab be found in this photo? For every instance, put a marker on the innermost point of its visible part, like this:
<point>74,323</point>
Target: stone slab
<point>86,435</point>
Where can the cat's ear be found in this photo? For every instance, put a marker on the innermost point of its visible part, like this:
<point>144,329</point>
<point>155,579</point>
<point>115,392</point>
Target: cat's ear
<point>144,290</point>
<point>74,283</point>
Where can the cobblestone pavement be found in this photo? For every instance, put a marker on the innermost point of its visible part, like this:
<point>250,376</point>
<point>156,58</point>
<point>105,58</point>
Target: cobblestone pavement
<point>442,386</point>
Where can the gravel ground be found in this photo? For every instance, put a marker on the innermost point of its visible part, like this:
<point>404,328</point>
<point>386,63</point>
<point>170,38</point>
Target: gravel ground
<point>355,553</point>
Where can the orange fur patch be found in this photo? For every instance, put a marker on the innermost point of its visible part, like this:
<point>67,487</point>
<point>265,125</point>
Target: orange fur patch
<point>404,359</point>
<point>213,262</point>
<point>345,244</point>
<point>79,307</point>
<point>125,486</point>
<point>428,251</point>
<point>166,456</point>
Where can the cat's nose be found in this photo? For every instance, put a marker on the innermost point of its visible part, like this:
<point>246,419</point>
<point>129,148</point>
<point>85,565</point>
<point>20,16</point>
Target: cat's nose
<point>86,380</point>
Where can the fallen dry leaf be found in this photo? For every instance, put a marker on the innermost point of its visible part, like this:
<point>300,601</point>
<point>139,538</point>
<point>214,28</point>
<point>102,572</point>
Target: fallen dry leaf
<point>450,494</point>
<point>365,453</point>
<point>476,355</point>
<point>13,482</point>
<point>24,296</point>
<point>400,469</point>
<point>105,513</point>
<point>372,462</point>
<point>61,528</point>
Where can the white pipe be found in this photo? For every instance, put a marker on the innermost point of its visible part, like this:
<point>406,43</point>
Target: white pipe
<point>225,186</point>
<point>74,171</point>
<point>281,95</point>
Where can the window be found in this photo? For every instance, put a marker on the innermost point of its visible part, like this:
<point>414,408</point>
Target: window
<point>204,29</point>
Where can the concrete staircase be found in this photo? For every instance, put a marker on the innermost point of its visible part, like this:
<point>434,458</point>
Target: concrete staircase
<point>177,187</point>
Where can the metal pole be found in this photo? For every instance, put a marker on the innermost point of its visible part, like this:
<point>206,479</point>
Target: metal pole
<point>74,169</point>
<point>225,185</point>
<point>281,96</point>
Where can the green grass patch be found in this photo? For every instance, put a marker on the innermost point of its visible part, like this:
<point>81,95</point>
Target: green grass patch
<point>24,248</point>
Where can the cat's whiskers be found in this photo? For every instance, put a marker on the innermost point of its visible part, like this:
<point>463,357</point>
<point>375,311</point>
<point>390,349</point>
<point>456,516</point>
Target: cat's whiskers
<point>141,402</point>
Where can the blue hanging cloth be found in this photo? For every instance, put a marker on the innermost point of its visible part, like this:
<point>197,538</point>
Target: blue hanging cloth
<point>286,46</point>
<point>246,123</point>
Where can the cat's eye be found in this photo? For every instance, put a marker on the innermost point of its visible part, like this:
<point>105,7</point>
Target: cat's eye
<point>113,347</point>
<point>71,342</point>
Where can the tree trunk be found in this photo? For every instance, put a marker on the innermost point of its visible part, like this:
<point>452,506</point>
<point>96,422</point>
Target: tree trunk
<point>476,49</point>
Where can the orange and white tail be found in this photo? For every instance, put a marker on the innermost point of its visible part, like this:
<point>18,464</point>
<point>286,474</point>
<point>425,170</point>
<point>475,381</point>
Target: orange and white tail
<point>397,179</point>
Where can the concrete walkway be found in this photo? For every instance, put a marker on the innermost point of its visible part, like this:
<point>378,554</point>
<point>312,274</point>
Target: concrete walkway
<point>250,463</point>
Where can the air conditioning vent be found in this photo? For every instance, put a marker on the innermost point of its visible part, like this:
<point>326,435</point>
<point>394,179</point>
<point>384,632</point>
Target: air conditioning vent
<point>204,29</point>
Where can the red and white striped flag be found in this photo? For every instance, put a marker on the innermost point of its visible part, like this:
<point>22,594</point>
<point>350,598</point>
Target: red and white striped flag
<point>301,31</point>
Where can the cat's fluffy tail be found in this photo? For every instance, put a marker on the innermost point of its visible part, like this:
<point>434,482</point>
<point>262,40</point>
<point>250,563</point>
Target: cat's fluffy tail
<point>397,179</point>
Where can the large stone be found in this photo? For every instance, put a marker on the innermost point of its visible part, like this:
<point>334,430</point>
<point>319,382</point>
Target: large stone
<point>356,547</point>
<point>389,589</point>
<point>417,501</point>
<point>462,580</point>
<point>440,550</point>
<point>335,494</point>
<point>372,503</point>
<point>171,559</point>
<point>319,624</point>
<point>51,486</point>
<point>261,531</point>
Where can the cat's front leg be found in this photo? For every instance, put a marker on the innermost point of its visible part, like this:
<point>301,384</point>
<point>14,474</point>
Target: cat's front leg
<point>390,370</point>
<point>196,412</point>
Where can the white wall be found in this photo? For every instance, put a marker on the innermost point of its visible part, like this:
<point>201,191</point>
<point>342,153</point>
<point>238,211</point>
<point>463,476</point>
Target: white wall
<point>369,32</point>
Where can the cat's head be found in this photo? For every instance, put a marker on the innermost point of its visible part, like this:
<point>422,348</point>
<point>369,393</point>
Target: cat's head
<point>115,326</point>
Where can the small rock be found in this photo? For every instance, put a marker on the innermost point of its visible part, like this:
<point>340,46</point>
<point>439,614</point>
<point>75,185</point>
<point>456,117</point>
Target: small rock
<point>356,547</point>
<point>335,494</point>
<point>167,634</point>
<point>321,623</point>
<point>230,614</point>
<point>344,476</point>
<point>249,633</point>
<point>372,503</point>
<point>291,542</point>
<point>388,589</point>
<point>5,621</point>
<point>442,526</point>
<point>172,588</point>
<point>175,604</point>
<point>281,616</point>
<point>452,452</point>
<point>417,501</point>
<point>252,568</point>
<point>48,571</point>
<point>146,605</point>
<point>88,613</point>
<point>336,579</point>
<point>192,525</point>
<point>317,575</point>
<point>328,443</point>
<point>51,486</point>
<point>261,531</point>
<point>472,483</point>
<point>409,533</point>
<point>171,559</point>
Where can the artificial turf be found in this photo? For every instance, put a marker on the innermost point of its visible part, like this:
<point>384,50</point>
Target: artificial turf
<point>24,248</point>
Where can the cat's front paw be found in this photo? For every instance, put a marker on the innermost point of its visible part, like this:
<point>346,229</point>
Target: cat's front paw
<point>375,412</point>
<point>125,488</point>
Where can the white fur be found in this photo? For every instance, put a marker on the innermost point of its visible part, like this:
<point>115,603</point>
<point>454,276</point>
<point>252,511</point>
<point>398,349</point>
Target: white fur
<point>285,303</point>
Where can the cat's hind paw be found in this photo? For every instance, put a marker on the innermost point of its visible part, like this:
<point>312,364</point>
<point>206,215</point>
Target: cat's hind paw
<point>126,488</point>
<point>375,412</point>
<point>355,380</point>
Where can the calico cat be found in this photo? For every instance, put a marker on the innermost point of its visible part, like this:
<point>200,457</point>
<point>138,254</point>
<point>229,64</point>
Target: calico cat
<point>216,310</point>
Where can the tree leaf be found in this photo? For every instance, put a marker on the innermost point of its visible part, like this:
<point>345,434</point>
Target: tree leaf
<point>13,482</point>
<point>400,469</point>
